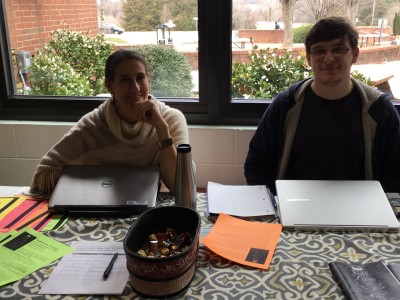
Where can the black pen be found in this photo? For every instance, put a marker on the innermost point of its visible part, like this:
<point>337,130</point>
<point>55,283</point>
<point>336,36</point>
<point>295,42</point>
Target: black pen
<point>110,266</point>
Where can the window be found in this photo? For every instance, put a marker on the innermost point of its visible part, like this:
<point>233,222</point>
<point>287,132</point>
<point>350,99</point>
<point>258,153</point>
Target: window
<point>213,106</point>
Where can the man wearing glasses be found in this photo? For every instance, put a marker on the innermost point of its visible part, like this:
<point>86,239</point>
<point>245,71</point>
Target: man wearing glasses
<point>331,126</point>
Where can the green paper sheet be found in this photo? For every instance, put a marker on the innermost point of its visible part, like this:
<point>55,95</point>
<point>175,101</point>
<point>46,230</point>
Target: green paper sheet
<point>27,251</point>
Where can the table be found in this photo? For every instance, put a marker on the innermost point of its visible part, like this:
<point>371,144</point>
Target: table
<point>367,36</point>
<point>381,75</point>
<point>241,41</point>
<point>299,268</point>
<point>383,84</point>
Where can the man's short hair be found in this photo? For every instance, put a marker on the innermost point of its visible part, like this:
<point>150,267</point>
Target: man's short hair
<point>331,28</point>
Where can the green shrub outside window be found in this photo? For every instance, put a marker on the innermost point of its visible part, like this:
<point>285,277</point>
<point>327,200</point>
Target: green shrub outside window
<point>267,73</point>
<point>72,63</point>
<point>170,72</point>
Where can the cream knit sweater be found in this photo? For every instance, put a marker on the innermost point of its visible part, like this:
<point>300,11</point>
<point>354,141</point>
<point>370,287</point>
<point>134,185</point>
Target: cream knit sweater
<point>101,137</point>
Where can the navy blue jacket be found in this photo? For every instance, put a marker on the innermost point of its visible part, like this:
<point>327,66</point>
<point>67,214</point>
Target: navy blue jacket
<point>268,157</point>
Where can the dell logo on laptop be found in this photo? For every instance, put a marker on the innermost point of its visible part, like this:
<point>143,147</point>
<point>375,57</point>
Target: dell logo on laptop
<point>107,184</point>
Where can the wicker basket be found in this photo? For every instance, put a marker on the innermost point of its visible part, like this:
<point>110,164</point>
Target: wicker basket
<point>162,277</point>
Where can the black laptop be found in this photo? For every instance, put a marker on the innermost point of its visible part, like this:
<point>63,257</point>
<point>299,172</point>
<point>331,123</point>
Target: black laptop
<point>105,190</point>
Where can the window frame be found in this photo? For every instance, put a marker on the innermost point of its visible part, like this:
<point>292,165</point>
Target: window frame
<point>213,107</point>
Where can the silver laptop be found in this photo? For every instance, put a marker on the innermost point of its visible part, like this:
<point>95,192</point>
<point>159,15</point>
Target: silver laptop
<point>105,191</point>
<point>334,205</point>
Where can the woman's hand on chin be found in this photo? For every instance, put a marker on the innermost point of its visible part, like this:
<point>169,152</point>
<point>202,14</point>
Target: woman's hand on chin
<point>146,111</point>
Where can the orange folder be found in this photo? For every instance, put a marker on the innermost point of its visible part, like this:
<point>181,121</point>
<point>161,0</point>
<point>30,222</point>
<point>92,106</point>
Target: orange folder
<point>245,242</point>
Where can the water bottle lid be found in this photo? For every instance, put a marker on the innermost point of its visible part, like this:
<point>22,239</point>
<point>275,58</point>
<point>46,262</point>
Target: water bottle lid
<point>183,148</point>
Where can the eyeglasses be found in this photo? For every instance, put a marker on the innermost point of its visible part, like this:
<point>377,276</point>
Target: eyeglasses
<point>336,52</point>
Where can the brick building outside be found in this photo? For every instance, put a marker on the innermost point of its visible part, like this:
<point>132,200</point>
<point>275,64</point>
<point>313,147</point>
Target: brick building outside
<point>31,22</point>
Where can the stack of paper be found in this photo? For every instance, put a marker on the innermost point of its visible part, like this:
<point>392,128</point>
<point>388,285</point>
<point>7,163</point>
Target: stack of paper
<point>81,272</point>
<point>245,201</point>
<point>26,251</point>
<point>18,212</point>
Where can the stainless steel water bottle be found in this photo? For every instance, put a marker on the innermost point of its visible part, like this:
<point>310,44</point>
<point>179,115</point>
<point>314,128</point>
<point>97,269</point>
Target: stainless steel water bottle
<point>185,184</point>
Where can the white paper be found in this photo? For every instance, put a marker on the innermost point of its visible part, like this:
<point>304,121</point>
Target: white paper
<point>81,272</point>
<point>239,200</point>
<point>8,191</point>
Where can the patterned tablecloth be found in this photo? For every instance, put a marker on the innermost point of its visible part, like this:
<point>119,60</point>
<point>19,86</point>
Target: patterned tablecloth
<point>299,268</point>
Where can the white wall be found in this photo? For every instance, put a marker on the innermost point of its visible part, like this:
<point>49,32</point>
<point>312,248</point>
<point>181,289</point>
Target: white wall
<point>219,152</point>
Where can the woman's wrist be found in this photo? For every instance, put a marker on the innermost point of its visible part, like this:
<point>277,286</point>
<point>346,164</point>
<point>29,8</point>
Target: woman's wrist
<point>163,131</point>
<point>165,143</point>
